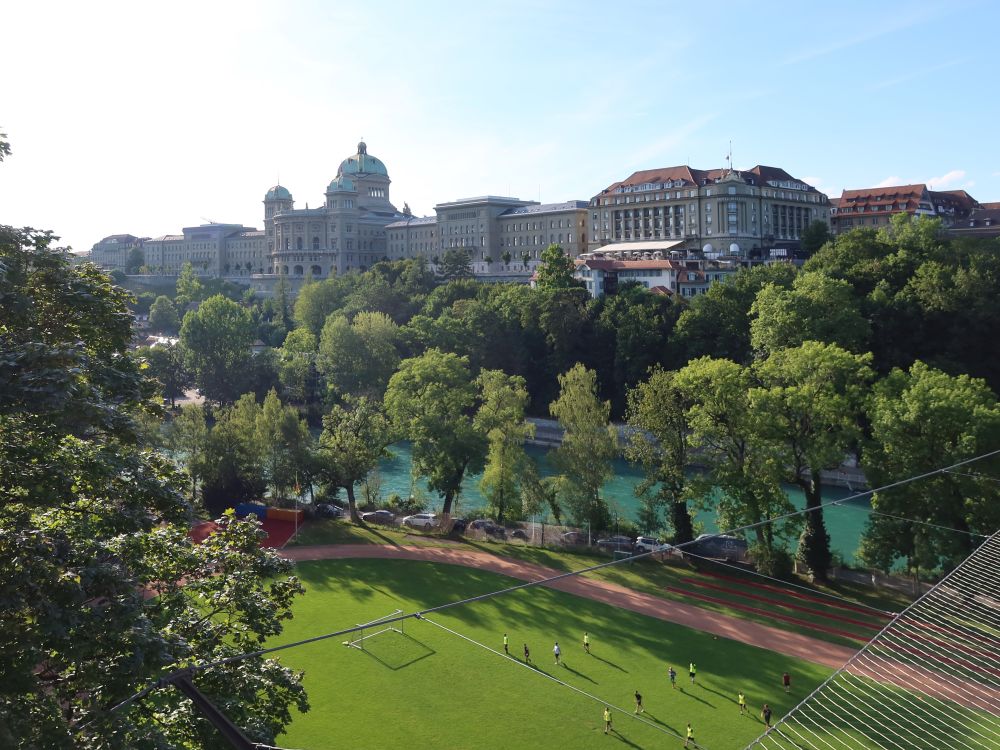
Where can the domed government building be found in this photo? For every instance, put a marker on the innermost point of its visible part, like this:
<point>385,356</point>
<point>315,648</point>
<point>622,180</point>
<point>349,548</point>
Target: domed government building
<point>346,233</point>
<point>355,227</point>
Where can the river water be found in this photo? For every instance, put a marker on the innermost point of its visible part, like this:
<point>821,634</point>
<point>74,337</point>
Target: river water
<point>845,524</point>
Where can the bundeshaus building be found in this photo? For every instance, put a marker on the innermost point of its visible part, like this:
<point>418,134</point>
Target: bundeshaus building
<point>752,214</point>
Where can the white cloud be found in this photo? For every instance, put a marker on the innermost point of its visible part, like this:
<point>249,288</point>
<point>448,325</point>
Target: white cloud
<point>948,178</point>
<point>890,181</point>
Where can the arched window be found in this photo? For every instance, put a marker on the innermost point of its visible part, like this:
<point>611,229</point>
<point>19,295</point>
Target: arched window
<point>298,270</point>
<point>316,271</point>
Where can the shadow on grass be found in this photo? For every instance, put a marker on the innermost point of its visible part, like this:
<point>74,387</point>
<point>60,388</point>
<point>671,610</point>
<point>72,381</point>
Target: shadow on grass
<point>622,738</point>
<point>689,694</point>
<point>379,535</point>
<point>651,717</point>
<point>721,695</point>
<point>609,663</point>
<point>406,658</point>
<point>577,673</point>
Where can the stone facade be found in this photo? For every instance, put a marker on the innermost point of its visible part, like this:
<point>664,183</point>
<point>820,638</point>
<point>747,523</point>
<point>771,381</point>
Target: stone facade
<point>346,233</point>
<point>112,252</point>
<point>719,212</point>
<point>489,226</point>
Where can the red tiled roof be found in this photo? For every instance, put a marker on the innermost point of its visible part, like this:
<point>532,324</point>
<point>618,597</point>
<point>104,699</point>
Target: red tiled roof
<point>695,177</point>
<point>662,290</point>
<point>883,194</point>
<point>958,199</point>
<point>995,204</point>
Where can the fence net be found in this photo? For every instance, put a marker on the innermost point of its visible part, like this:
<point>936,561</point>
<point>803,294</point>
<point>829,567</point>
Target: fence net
<point>929,679</point>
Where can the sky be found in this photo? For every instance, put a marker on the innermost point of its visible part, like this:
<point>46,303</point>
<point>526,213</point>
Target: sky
<point>144,118</point>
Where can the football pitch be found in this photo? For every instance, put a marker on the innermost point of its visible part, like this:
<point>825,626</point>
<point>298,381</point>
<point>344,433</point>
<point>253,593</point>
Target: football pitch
<point>446,683</point>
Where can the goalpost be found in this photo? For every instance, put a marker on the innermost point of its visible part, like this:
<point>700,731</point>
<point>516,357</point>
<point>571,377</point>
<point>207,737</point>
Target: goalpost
<point>359,643</point>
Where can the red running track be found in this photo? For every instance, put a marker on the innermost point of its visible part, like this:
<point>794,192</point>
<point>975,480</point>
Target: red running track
<point>786,605</point>
<point>766,613</point>
<point>800,595</point>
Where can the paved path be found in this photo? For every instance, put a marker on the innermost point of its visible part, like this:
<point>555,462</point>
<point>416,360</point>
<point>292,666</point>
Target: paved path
<point>772,639</point>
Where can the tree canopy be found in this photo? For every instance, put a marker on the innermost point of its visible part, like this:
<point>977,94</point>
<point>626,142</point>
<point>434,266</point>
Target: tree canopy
<point>431,400</point>
<point>93,523</point>
<point>216,339</point>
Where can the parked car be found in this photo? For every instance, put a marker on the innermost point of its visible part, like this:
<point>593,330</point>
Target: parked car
<point>329,510</point>
<point>488,527</point>
<point>380,516</point>
<point>421,521</point>
<point>519,534</point>
<point>730,548</point>
<point>575,537</point>
<point>615,543</point>
<point>458,525</point>
<point>651,544</point>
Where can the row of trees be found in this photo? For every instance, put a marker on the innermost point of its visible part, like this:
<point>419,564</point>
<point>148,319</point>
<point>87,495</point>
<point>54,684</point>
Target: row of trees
<point>789,358</point>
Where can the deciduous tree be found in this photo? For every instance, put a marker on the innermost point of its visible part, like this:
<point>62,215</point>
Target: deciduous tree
<point>809,400</point>
<point>355,438</point>
<point>501,419</point>
<point>216,339</point>
<point>744,470</point>
<point>589,444</point>
<point>658,416</point>
<point>431,401</point>
<point>556,269</point>
<point>921,420</point>
<point>92,522</point>
<point>816,308</point>
<point>163,315</point>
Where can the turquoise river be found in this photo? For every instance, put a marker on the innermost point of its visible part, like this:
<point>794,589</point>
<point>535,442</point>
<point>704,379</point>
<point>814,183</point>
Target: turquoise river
<point>845,523</point>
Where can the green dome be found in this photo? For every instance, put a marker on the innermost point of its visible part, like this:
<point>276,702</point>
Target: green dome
<point>278,193</point>
<point>362,163</point>
<point>341,184</point>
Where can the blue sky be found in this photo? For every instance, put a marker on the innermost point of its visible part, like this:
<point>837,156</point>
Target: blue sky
<point>147,117</point>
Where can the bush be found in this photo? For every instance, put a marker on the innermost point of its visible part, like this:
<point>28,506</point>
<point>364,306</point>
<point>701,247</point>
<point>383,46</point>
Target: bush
<point>777,563</point>
<point>402,507</point>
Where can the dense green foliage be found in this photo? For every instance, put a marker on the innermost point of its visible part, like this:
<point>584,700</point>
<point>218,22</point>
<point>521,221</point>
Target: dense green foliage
<point>866,301</point>
<point>102,591</point>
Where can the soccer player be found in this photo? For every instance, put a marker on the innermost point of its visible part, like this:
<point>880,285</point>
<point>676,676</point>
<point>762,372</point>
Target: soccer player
<point>505,642</point>
<point>527,654</point>
<point>607,719</point>
<point>638,703</point>
<point>742,700</point>
<point>786,680</point>
<point>673,677</point>
<point>556,651</point>
<point>692,669</point>
<point>586,642</point>
<point>765,714</point>
<point>690,735</point>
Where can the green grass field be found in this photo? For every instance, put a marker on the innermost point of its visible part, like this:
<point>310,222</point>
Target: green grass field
<point>647,576</point>
<point>429,688</point>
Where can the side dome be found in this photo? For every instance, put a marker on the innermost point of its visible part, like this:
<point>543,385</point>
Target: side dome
<point>278,193</point>
<point>362,163</point>
<point>341,184</point>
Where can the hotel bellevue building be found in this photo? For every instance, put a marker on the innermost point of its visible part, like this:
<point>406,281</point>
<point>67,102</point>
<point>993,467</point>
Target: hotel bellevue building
<point>754,214</point>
